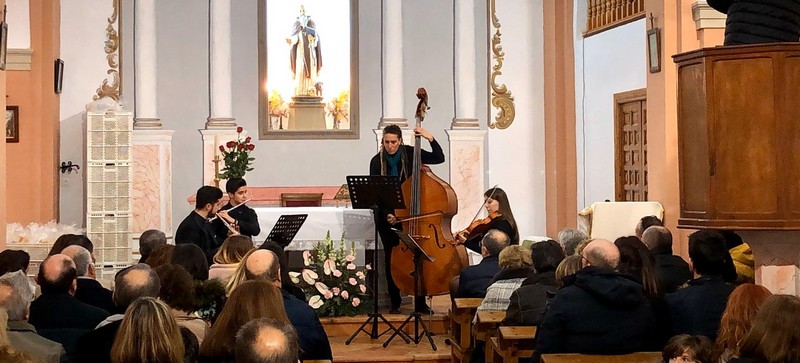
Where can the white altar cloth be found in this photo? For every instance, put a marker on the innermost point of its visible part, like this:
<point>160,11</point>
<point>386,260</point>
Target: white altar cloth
<point>356,224</point>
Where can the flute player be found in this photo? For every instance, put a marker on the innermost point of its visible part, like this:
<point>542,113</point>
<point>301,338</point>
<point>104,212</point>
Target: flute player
<point>243,218</point>
<point>196,228</point>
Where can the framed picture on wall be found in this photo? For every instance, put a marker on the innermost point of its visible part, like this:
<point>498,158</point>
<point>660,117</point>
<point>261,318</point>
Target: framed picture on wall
<point>654,49</point>
<point>58,75</point>
<point>12,124</point>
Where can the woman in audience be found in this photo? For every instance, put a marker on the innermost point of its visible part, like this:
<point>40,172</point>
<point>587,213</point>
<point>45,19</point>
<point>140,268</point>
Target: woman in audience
<point>528,302</point>
<point>635,259</point>
<point>160,256</point>
<point>67,240</point>
<point>500,218</point>
<point>774,337</point>
<point>515,265</point>
<point>14,260</point>
<point>743,304</point>
<point>178,291</point>
<point>192,259</point>
<point>687,348</point>
<point>228,257</point>
<point>248,301</point>
<point>148,333</point>
<point>286,283</point>
<point>569,266</point>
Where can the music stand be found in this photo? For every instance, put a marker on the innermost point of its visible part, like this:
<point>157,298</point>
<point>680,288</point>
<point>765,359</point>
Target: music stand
<point>419,256</point>
<point>286,228</point>
<point>375,192</point>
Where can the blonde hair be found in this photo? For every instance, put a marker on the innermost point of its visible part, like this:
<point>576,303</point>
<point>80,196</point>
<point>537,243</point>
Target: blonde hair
<point>233,249</point>
<point>568,266</point>
<point>148,334</point>
<point>515,256</point>
<point>239,274</point>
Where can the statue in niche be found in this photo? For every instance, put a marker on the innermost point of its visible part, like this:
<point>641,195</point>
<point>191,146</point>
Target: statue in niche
<point>306,55</point>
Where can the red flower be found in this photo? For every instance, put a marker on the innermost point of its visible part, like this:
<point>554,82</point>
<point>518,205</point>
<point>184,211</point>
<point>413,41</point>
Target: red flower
<point>240,147</point>
<point>247,140</point>
<point>251,147</point>
<point>221,148</point>
<point>239,129</point>
<point>230,144</point>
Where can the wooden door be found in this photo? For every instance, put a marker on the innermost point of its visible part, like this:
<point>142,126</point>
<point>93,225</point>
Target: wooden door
<point>630,146</point>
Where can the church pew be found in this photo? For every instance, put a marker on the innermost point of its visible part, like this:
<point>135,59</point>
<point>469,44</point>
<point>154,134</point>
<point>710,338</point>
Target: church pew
<point>485,327</point>
<point>510,344</point>
<point>461,315</point>
<point>640,357</point>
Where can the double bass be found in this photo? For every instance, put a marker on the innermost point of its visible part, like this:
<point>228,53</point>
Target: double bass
<point>432,203</point>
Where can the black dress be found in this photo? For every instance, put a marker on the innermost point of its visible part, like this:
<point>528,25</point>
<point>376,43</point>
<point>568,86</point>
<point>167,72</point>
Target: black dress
<point>500,223</point>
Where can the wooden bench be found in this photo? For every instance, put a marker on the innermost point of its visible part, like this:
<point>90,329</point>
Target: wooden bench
<point>510,344</point>
<point>461,315</point>
<point>486,324</point>
<point>640,357</point>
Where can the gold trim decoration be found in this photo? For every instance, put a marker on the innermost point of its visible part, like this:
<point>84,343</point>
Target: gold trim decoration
<point>501,96</point>
<point>113,83</point>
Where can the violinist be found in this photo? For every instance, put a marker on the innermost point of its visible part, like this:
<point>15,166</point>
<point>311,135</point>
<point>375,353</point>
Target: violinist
<point>242,218</point>
<point>395,158</point>
<point>499,217</point>
<point>196,228</point>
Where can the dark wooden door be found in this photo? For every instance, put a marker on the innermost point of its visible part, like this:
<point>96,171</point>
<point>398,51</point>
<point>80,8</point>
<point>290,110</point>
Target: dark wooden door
<point>630,146</point>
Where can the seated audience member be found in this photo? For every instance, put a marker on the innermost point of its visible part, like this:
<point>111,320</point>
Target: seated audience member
<point>129,284</point>
<point>743,304</point>
<point>192,259</point>
<point>474,280</point>
<point>570,238</point>
<point>15,297</point>
<point>148,333</point>
<point>160,256</point>
<point>566,270</point>
<point>697,309</point>
<point>267,340</point>
<point>647,222</point>
<point>263,265</point>
<point>57,314</point>
<point>528,302</point>
<point>286,283</point>
<point>687,348</point>
<point>178,292</point>
<point>601,312</point>
<point>741,255</point>
<point>89,290</point>
<point>515,266</point>
<point>149,241</point>
<point>228,257</point>
<point>210,294</point>
<point>67,240</point>
<point>774,336</point>
<point>249,301</point>
<point>14,260</point>
<point>671,271</point>
<point>7,352</point>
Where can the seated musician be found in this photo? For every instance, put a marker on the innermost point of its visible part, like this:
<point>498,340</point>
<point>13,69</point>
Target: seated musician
<point>239,216</point>
<point>397,159</point>
<point>500,218</point>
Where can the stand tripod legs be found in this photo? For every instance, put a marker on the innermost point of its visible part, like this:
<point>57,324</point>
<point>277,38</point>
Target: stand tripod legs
<point>375,319</point>
<point>417,317</point>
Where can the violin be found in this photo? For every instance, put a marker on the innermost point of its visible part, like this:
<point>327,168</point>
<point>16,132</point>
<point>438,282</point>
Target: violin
<point>479,227</point>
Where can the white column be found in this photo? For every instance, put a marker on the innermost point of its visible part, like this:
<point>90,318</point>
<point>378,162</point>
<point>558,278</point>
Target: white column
<point>146,108</point>
<point>466,87</point>
<point>467,168</point>
<point>393,65</point>
<point>220,66</point>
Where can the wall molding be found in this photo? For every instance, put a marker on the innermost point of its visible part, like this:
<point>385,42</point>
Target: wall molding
<point>19,59</point>
<point>502,99</point>
<point>705,17</point>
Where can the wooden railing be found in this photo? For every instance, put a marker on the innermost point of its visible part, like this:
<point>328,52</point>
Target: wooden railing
<point>606,14</point>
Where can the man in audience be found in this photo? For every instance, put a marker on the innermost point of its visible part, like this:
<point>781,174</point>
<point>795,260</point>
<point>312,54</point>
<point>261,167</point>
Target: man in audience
<point>15,298</point>
<point>263,265</point>
<point>89,290</point>
<point>671,271</point>
<point>474,280</point>
<point>196,228</point>
<point>267,341</point>
<point>14,260</point>
<point>600,312</point>
<point>697,309</point>
<point>645,223</point>
<point>570,238</point>
<point>149,241</point>
<point>129,284</point>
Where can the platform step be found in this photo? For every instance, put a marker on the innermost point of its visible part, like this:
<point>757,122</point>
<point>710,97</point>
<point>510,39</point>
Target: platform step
<point>364,349</point>
<point>346,326</point>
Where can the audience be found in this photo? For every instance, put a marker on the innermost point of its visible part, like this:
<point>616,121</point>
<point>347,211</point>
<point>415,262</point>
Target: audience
<point>7,352</point>
<point>67,240</point>
<point>474,280</point>
<point>515,265</point>
<point>635,260</point>
<point>160,256</point>
<point>148,333</point>
<point>286,283</point>
<point>687,348</point>
<point>570,238</point>
<point>228,257</point>
<point>149,241</point>
<point>528,302</point>
<point>191,347</point>
<point>671,271</point>
<point>737,319</point>
<point>697,309</point>
<point>192,259</point>
<point>14,260</point>
<point>774,336</point>
<point>647,222</point>
<point>89,290</point>
<point>178,292</point>
<point>741,255</point>
<point>266,340</point>
<point>601,312</point>
<point>566,270</point>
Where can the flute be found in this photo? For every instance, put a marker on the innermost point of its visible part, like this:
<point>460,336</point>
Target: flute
<point>230,228</point>
<point>228,210</point>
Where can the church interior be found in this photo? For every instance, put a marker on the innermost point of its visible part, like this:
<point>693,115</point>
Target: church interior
<point>591,119</point>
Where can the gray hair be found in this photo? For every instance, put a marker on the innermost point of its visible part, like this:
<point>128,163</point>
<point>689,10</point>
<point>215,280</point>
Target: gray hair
<point>570,238</point>
<point>149,240</point>
<point>82,258</point>
<point>602,254</point>
<point>657,237</point>
<point>126,291</point>
<point>247,338</point>
<point>495,241</point>
<point>17,301</point>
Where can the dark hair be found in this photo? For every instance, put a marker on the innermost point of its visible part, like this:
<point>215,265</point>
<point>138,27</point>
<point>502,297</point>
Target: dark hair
<point>233,184</point>
<point>394,130</point>
<point>63,282</point>
<point>192,259</point>
<point>708,253</point>
<point>546,255</point>
<point>177,287</point>
<point>125,292</point>
<point>207,195</point>
<point>495,241</point>
<point>732,239</point>
<point>504,208</point>
<point>160,256</point>
<point>774,335</point>
<point>67,240</point>
<point>635,259</point>
<point>14,260</point>
<point>149,240</point>
<point>247,345</point>
<point>647,222</point>
<point>698,346</point>
<point>191,346</point>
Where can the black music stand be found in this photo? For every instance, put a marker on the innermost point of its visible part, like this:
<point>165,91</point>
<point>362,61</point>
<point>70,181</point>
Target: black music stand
<point>286,228</point>
<point>419,256</point>
<point>375,192</point>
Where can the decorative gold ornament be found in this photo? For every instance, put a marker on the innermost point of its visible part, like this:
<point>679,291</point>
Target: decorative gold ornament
<point>501,96</point>
<point>112,84</point>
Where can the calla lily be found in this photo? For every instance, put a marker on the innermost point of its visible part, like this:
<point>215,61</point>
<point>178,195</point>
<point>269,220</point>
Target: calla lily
<point>316,302</point>
<point>350,258</point>
<point>309,276</point>
<point>322,288</point>
<point>328,294</point>
<point>337,273</point>
<point>351,266</point>
<point>295,277</point>
<point>363,288</point>
<point>352,281</point>
<point>356,302</point>
<point>360,275</point>
<point>368,267</point>
<point>328,266</point>
<point>345,294</point>
<point>307,257</point>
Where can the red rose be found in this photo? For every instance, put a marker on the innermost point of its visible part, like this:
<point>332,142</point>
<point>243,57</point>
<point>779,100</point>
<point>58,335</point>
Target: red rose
<point>239,129</point>
<point>221,148</point>
<point>230,144</point>
<point>241,147</point>
<point>247,140</point>
<point>251,147</point>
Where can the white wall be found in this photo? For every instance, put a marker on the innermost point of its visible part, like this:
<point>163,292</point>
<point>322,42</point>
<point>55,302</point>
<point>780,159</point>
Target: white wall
<point>516,154</point>
<point>611,62</point>
<point>19,24</point>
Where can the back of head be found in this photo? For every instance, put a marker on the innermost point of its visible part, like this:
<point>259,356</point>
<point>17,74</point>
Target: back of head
<point>149,241</point>
<point>262,265</point>
<point>57,274</point>
<point>495,241</point>
<point>743,304</point>
<point>282,259</point>
<point>67,240</point>
<point>233,184</point>
<point>81,257</point>
<point>635,259</point>
<point>148,333</point>
<point>602,254</point>
<point>233,249</point>
<point>546,255</point>
<point>732,239</point>
<point>697,347</point>
<point>570,238</point>
<point>658,238</point>
<point>162,255</point>
<point>207,195</point>
<point>774,336</point>
<point>647,222</point>
<point>192,259</point>
<point>15,295</point>
<point>708,253</point>
<point>135,282</point>
<point>177,287</point>
<point>267,341</point>
<point>14,260</point>
<point>569,266</point>
<point>515,256</point>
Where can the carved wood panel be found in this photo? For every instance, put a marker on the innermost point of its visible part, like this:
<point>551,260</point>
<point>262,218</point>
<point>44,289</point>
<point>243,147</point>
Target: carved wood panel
<point>630,131</point>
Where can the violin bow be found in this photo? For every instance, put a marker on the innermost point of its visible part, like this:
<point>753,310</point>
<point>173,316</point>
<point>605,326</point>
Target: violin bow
<point>494,188</point>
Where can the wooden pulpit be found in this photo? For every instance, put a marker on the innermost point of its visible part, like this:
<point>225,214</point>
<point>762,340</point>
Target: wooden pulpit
<point>739,137</point>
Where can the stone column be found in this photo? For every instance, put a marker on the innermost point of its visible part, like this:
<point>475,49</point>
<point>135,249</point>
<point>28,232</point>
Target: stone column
<point>466,87</point>
<point>152,184</point>
<point>392,71</point>
<point>220,66</point>
<point>710,24</point>
<point>146,108</point>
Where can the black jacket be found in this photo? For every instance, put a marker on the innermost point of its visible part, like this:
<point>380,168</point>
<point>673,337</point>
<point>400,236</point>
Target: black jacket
<point>671,271</point>
<point>435,156</point>
<point>603,312</point>
<point>314,344</point>
<point>197,230</point>
<point>529,301</point>
<point>96,345</point>
<point>759,21</point>
<point>91,292</point>
<point>62,318</point>
<point>474,280</point>
<point>245,216</point>
<point>697,309</point>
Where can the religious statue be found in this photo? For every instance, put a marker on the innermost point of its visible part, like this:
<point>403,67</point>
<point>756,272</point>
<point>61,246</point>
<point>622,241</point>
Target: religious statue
<point>306,55</point>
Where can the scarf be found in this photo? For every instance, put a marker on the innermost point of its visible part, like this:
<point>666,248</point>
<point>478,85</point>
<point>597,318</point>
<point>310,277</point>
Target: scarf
<point>392,163</point>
